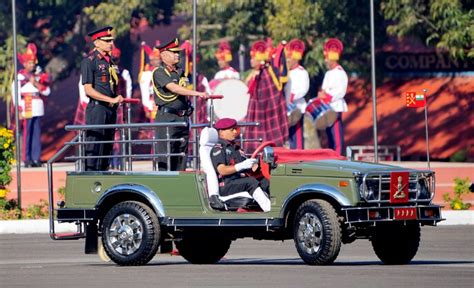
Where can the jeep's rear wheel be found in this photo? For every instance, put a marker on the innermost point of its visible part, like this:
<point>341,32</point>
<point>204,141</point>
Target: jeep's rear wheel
<point>130,233</point>
<point>203,250</point>
<point>317,233</point>
<point>395,243</point>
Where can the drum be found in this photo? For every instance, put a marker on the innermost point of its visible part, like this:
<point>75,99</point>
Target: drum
<point>294,114</point>
<point>321,113</point>
<point>235,102</point>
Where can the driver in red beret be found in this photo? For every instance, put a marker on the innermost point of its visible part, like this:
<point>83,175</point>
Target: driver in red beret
<point>230,163</point>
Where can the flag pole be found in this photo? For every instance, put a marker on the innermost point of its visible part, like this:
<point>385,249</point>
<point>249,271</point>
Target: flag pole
<point>17,102</point>
<point>426,130</point>
<point>194,79</point>
<point>374,90</point>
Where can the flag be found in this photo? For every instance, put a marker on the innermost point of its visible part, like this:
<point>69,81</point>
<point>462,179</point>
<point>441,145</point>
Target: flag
<point>278,68</point>
<point>145,50</point>
<point>414,100</point>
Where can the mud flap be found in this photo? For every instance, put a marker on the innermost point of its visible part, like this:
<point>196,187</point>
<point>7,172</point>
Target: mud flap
<point>166,246</point>
<point>91,238</point>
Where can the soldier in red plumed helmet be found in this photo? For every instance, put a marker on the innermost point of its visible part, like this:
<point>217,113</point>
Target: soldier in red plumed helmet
<point>33,88</point>
<point>267,103</point>
<point>150,59</point>
<point>333,91</point>
<point>295,91</point>
<point>224,57</point>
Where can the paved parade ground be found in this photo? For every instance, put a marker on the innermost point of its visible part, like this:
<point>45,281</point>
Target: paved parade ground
<point>445,259</point>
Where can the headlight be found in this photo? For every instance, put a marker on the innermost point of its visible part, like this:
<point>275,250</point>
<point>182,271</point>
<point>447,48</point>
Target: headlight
<point>423,191</point>
<point>369,190</point>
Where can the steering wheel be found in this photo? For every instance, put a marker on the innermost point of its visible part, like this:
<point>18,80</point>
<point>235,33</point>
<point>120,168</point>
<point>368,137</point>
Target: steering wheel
<point>264,167</point>
<point>261,146</point>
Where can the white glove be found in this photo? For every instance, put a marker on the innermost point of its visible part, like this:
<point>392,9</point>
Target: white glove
<point>246,164</point>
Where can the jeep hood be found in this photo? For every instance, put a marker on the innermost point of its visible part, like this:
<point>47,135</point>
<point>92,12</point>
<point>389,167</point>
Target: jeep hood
<point>336,168</point>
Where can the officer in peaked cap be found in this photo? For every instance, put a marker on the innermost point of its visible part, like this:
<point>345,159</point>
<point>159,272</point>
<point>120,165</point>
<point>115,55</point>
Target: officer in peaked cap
<point>100,79</point>
<point>172,98</point>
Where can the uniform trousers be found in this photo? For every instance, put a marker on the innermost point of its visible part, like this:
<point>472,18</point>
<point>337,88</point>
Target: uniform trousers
<point>335,134</point>
<point>99,114</point>
<point>33,140</point>
<point>248,184</point>
<point>177,163</point>
<point>296,135</point>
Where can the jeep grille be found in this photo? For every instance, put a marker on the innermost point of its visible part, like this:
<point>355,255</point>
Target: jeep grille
<point>375,187</point>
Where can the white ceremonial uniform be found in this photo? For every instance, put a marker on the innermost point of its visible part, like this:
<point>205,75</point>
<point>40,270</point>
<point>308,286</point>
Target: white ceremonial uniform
<point>295,90</point>
<point>297,87</point>
<point>82,93</point>
<point>128,83</point>
<point>146,89</point>
<point>37,104</point>
<point>335,84</point>
<point>227,73</point>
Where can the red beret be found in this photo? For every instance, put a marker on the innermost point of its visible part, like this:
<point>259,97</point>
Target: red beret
<point>225,123</point>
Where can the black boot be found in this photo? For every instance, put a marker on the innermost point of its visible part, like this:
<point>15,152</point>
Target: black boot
<point>36,164</point>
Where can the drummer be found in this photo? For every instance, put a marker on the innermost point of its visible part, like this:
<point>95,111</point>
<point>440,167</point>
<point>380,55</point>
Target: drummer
<point>333,91</point>
<point>224,57</point>
<point>295,91</point>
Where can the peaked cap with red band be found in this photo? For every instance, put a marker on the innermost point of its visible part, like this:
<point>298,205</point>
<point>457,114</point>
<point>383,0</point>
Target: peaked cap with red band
<point>172,46</point>
<point>295,49</point>
<point>224,51</point>
<point>260,51</point>
<point>102,34</point>
<point>333,49</point>
<point>29,55</point>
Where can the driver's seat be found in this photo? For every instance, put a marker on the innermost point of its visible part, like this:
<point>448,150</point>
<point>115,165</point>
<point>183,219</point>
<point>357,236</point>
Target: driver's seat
<point>243,199</point>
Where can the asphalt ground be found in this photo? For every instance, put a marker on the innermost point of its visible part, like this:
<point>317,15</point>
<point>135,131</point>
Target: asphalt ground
<point>445,259</point>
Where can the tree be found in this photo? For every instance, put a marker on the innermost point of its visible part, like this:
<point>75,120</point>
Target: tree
<point>447,25</point>
<point>312,21</point>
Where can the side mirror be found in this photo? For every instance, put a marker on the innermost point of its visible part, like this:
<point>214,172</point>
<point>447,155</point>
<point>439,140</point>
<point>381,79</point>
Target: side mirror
<point>268,156</point>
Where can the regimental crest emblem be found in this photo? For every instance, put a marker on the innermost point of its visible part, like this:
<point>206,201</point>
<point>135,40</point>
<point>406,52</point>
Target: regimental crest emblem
<point>399,184</point>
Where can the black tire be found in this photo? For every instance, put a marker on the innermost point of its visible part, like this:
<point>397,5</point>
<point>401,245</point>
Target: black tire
<point>395,243</point>
<point>317,232</point>
<point>130,233</point>
<point>203,250</point>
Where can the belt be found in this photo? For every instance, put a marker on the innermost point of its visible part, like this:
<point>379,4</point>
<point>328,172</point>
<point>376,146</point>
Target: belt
<point>177,112</point>
<point>103,103</point>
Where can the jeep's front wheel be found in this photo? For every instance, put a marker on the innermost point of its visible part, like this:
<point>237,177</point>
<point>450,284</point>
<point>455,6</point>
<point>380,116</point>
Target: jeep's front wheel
<point>130,233</point>
<point>203,250</point>
<point>396,243</point>
<point>317,233</point>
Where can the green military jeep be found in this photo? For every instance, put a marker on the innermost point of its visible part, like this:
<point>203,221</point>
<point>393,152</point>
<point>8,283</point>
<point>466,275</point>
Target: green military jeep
<point>318,199</point>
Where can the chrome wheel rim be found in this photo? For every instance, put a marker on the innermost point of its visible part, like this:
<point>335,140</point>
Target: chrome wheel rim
<point>125,234</point>
<point>310,233</point>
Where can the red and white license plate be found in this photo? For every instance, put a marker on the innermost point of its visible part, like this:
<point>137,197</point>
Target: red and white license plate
<point>404,213</point>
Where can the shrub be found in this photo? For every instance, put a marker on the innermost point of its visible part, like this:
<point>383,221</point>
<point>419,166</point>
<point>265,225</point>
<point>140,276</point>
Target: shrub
<point>7,158</point>
<point>461,187</point>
